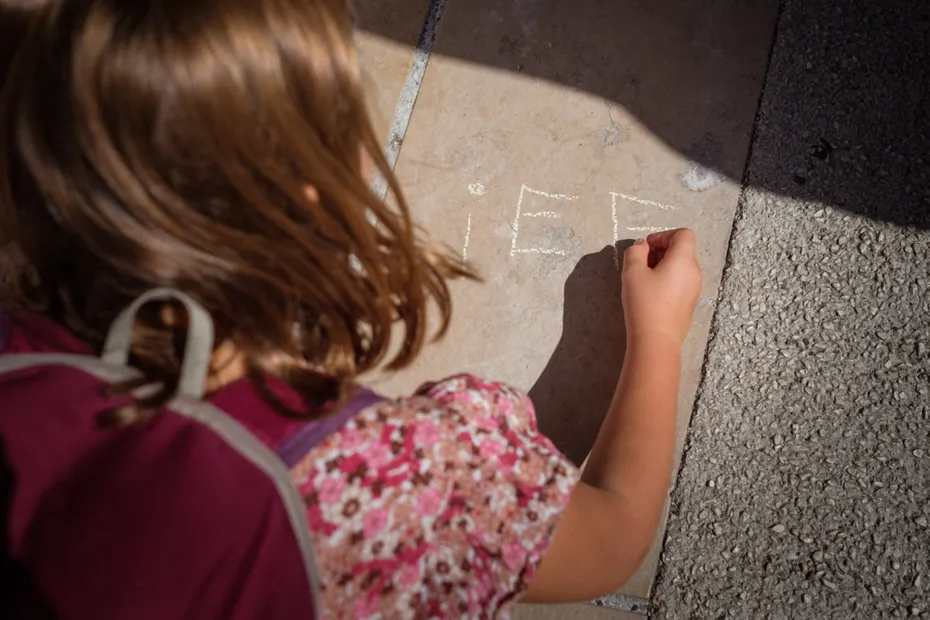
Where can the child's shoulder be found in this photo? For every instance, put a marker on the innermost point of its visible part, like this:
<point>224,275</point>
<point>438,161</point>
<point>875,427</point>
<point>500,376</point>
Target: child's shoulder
<point>476,400</point>
<point>450,417</point>
<point>450,493</point>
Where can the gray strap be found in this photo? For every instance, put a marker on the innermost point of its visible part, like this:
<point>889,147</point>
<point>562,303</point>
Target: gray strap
<point>228,429</point>
<point>197,351</point>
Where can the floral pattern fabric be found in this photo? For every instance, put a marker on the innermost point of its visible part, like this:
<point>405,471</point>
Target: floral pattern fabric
<point>440,505</point>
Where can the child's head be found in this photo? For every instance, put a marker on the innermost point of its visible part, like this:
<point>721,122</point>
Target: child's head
<point>217,147</point>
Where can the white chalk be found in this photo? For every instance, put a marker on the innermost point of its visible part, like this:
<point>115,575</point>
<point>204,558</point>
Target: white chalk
<point>650,229</point>
<point>549,214</point>
<point>553,196</point>
<point>516,222</point>
<point>699,178</point>
<point>467,236</point>
<point>643,201</point>
<point>476,189</point>
<point>546,251</point>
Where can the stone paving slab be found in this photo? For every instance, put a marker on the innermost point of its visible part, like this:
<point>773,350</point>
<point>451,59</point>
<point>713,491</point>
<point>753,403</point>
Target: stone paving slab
<point>535,180</point>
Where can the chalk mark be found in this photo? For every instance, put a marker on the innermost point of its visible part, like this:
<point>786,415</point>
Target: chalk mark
<point>643,201</point>
<point>650,229</point>
<point>516,220</point>
<point>467,237</point>
<point>548,252</point>
<point>554,196</point>
<point>641,229</point>
<point>477,189</point>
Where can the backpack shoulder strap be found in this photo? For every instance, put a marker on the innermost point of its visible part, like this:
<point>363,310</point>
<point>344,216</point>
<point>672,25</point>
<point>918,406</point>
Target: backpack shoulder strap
<point>313,433</point>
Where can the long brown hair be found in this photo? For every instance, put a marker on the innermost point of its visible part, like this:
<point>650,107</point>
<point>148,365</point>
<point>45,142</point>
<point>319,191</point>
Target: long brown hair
<point>171,143</point>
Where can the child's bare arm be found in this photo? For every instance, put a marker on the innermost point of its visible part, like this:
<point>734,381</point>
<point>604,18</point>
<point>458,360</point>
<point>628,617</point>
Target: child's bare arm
<point>611,519</point>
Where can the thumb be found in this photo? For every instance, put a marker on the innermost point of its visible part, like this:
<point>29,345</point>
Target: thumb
<point>636,256</point>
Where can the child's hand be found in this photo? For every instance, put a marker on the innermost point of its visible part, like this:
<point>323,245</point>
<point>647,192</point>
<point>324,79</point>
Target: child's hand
<point>661,284</point>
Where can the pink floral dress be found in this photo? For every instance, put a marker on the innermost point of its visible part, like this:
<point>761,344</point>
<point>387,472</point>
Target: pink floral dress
<point>440,505</point>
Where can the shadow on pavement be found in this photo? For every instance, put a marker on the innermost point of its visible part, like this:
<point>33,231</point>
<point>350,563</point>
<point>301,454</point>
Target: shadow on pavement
<point>692,73</point>
<point>575,388</point>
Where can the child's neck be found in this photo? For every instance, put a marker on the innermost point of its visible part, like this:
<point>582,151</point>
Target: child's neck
<point>227,364</point>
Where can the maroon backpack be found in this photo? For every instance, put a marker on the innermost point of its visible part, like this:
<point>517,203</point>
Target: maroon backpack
<point>192,514</point>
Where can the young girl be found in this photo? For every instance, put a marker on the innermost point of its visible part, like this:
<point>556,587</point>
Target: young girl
<point>222,148</point>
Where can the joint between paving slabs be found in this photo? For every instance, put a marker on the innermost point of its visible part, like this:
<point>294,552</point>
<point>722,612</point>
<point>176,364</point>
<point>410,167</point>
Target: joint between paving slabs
<point>403,111</point>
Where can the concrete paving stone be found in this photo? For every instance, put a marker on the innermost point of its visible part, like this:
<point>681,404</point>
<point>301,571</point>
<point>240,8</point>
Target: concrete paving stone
<point>579,611</point>
<point>534,180</point>
<point>804,491</point>
<point>385,61</point>
<point>677,63</point>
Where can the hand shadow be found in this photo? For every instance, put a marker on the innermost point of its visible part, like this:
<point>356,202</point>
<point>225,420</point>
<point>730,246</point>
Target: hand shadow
<point>575,388</point>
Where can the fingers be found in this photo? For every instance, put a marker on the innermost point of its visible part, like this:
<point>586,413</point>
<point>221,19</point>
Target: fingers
<point>636,256</point>
<point>681,237</point>
<point>672,244</point>
<point>655,257</point>
<point>680,242</point>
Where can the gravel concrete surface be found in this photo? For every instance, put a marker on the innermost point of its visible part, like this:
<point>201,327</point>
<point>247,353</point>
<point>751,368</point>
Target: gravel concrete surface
<point>805,489</point>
